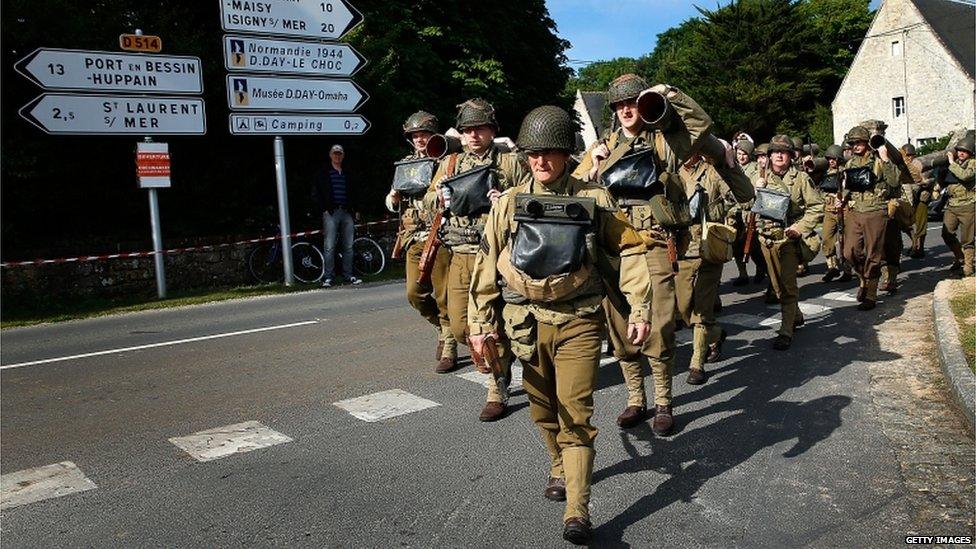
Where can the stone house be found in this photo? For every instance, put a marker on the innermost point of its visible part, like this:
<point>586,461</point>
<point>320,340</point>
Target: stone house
<point>914,70</point>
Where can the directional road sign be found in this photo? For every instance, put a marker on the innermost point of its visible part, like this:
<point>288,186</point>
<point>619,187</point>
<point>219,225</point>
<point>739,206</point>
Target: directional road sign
<point>298,124</point>
<point>141,42</point>
<point>328,19</point>
<point>67,114</point>
<point>271,93</point>
<point>58,69</point>
<point>243,53</point>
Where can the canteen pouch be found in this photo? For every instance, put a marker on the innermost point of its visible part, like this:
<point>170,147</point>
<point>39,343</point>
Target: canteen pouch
<point>550,238</point>
<point>469,191</point>
<point>669,205</point>
<point>633,175</point>
<point>771,204</point>
<point>412,177</point>
<point>716,243</point>
<point>830,183</point>
<point>859,180</point>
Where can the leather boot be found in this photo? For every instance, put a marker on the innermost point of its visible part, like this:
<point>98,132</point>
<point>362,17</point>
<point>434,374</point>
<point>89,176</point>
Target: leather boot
<point>715,349</point>
<point>631,416</point>
<point>847,275</point>
<point>663,422</point>
<point>870,295</point>
<point>578,463</point>
<point>782,342</point>
<point>493,411</point>
<point>445,365</point>
<point>555,489</point>
<point>696,376</point>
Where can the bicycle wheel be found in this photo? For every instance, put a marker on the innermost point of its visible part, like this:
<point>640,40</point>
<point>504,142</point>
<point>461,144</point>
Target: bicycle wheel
<point>307,261</point>
<point>367,256</point>
<point>264,263</point>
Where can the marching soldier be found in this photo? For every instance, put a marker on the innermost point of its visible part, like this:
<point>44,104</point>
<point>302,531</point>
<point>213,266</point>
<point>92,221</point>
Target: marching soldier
<point>789,208</point>
<point>700,272</point>
<point>869,181</point>
<point>468,212</point>
<point>638,150</point>
<point>430,300</point>
<point>542,239</point>
<point>830,190</point>
<point>920,192</point>
<point>959,214</point>
<point>745,154</point>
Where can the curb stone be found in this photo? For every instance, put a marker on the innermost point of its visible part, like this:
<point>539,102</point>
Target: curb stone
<point>962,381</point>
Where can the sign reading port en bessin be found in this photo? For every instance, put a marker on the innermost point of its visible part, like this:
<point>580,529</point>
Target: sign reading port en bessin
<point>280,93</point>
<point>83,70</point>
<point>265,55</point>
<point>322,19</point>
<point>67,114</point>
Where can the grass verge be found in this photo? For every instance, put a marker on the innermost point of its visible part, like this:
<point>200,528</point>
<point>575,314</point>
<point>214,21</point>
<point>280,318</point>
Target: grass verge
<point>963,304</point>
<point>44,310</point>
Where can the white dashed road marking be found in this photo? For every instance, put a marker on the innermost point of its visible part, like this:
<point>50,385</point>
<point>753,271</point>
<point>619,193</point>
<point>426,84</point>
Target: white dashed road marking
<point>41,483</point>
<point>846,297</point>
<point>844,340</point>
<point>225,441</point>
<point>384,405</point>
<point>160,344</point>
<point>478,377</point>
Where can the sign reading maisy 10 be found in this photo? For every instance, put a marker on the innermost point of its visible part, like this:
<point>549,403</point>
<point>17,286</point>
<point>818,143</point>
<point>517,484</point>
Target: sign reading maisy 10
<point>269,93</point>
<point>329,19</point>
<point>242,53</point>
<point>297,124</point>
<point>59,69</point>
<point>66,114</point>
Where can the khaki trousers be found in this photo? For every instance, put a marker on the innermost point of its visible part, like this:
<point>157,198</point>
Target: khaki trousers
<point>783,258</point>
<point>961,219</point>
<point>559,382</point>
<point>892,245</point>
<point>659,346</point>
<point>430,300</point>
<point>458,284</point>
<point>864,240</point>
<point>921,225</point>
<point>696,289</point>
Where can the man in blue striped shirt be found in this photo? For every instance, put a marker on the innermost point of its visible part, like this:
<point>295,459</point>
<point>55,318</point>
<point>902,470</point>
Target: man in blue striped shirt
<point>333,195</point>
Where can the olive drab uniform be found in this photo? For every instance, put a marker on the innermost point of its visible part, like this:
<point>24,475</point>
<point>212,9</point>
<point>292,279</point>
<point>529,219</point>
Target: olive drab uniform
<point>462,235</point>
<point>919,193</point>
<point>830,193</point>
<point>960,213</point>
<point>700,271</point>
<point>866,217</point>
<point>670,149</point>
<point>783,255</point>
<point>430,300</point>
<point>737,218</point>
<point>560,337</point>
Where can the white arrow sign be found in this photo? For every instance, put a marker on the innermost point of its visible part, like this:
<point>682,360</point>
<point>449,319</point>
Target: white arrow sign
<point>328,19</point>
<point>66,114</point>
<point>246,92</point>
<point>298,124</point>
<point>242,53</point>
<point>58,69</point>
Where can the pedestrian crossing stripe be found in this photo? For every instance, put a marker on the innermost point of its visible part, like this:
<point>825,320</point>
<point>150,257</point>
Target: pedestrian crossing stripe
<point>226,441</point>
<point>42,483</point>
<point>384,405</point>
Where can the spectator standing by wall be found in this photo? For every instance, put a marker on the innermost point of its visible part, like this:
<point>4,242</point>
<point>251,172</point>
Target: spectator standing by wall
<point>334,195</point>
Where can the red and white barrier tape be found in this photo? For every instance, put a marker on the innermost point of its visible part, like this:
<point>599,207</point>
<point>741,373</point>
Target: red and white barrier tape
<point>130,255</point>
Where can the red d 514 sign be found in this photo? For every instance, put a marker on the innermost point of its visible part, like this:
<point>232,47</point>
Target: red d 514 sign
<point>152,165</point>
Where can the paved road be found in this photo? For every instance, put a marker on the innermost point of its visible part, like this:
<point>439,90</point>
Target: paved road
<point>778,449</point>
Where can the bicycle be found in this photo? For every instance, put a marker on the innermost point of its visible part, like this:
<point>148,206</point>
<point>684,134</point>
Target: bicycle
<point>308,263</point>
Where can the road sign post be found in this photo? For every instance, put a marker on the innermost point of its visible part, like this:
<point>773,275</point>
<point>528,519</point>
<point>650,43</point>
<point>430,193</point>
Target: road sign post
<point>284,219</point>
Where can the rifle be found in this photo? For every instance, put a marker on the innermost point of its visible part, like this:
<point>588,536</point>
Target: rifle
<point>398,245</point>
<point>840,212</point>
<point>490,354</point>
<point>433,243</point>
<point>751,223</point>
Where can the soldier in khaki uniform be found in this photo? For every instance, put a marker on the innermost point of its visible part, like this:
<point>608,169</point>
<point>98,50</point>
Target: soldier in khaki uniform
<point>830,191</point>
<point>920,193</point>
<point>462,233</point>
<point>745,155</point>
<point>669,148</point>
<point>780,237</point>
<point>415,218</point>
<point>960,213</point>
<point>866,217</point>
<point>700,272</point>
<point>555,312</point>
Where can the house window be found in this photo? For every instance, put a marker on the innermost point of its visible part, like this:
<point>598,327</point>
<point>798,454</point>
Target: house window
<point>923,141</point>
<point>898,106</point>
<point>896,48</point>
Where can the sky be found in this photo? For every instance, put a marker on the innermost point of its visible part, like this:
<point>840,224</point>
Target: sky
<point>591,25</point>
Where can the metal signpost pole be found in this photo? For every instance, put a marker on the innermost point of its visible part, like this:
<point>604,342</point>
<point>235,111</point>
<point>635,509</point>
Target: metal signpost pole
<point>282,181</point>
<point>157,238</point>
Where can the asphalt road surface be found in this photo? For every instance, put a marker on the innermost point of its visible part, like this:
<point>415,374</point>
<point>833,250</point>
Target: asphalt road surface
<point>777,449</point>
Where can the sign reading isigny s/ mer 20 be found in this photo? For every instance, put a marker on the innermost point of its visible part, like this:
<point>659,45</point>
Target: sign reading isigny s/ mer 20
<point>276,55</point>
<point>324,19</point>
<point>280,93</point>
<point>60,69</point>
<point>68,114</point>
